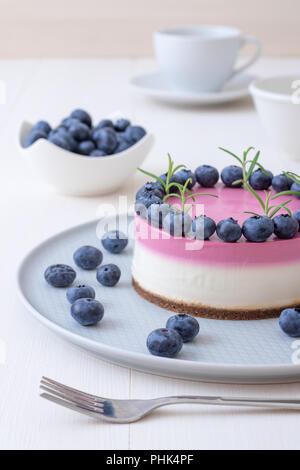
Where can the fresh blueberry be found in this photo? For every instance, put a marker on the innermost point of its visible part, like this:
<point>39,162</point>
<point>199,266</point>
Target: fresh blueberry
<point>174,179</point>
<point>86,147</point>
<point>183,175</point>
<point>122,146</point>
<point>114,241</point>
<point>156,214</point>
<point>230,174</point>
<point>60,140</point>
<point>177,224</point>
<point>108,275</point>
<point>154,188</point>
<point>82,116</point>
<point>259,180</point>
<point>79,131</point>
<point>186,325</point>
<point>68,122</point>
<point>296,216</point>
<point>229,230</point>
<point>43,126</point>
<point>87,312</point>
<point>281,183</point>
<point>289,322</point>
<point>33,136</point>
<point>207,176</point>
<point>134,133</point>
<point>107,140</point>
<point>105,123</point>
<point>121,125</point>
<point>164,342</point>
<point>145,202</point>
<point>60,133</point>
<point>285,226</point>
<point>203,227</point>
<point>296,187</point>
<point>80,292</point>
<point>98,153</point>
<point>60,275</point>
<point>258,228</point>
<point>88,257</point>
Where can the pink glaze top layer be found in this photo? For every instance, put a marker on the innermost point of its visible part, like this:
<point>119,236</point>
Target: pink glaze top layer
<point>230,203</point>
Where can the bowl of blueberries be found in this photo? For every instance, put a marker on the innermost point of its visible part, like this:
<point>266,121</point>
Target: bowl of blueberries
<point>79,158</point>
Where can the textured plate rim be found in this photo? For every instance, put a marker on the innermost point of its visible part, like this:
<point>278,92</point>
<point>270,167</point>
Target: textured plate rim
<point>193,370</point>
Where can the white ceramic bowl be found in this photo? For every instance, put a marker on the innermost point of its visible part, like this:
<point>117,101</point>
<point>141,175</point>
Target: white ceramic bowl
<point>277,100</point>
<point>77,175</point>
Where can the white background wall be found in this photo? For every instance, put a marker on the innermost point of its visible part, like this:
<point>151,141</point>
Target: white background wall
<point>91,28</point>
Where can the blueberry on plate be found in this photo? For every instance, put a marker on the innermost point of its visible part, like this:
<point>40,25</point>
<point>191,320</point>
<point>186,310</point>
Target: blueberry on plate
<point>229,230</point>
<point>105,123</point>
<point>177,224</point>
<point>203,227</point>
<point>154,188</point>
<point>289,322</point>
<point>230,174</point>
<point>60,140</point>
<point>281,183</point>
<point>296,187</point>
<point>80,292</point>
<point>183,175</point>
<point>106,140</point>
<point>259,180</point>
<point>156,214</point>
<point>88,257</point>
<point>142,204</point>
<point>186,325</point>
<point>258,228</point>
<point>80,131</point>
<point>134,133</point>
<point>60,275</point>
<point>296,216</point>
<point>33,136</point>
<point>114,241</point>
<point>285,226</point>
<point>207,176</point>
<point>98,153</point>
<point>121,125</point>
<point>43,126</point>
<point>164,342</point>
<point>82,116</point>
<point>108,275</point>
<point>87,312</point>
<point>86,147</point>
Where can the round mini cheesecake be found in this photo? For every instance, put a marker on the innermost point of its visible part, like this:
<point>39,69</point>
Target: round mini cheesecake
<point>214,279</point>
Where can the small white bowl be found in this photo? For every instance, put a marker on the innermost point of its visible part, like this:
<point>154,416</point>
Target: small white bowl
<point>277,100</point>
<point>76,175</point>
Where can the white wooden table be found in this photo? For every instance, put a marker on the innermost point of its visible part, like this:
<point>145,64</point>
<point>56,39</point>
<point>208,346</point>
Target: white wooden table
<point>50,89</point>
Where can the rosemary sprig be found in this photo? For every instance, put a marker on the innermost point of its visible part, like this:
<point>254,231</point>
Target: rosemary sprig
<point>183,190</point>
<point>293,176</point>
<point>171,170</point>
<point>269,210</point>
<point>244,162</point>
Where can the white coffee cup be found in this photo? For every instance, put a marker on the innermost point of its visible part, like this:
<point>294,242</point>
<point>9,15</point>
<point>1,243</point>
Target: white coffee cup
<point>201,58</point>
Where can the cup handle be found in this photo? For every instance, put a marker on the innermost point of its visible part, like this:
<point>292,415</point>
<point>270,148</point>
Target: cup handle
<point>257,53</point>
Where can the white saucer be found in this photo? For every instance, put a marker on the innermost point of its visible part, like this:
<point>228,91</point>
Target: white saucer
<point>154,85</point>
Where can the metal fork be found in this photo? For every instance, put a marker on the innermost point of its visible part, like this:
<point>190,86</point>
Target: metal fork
<point>128,411</point>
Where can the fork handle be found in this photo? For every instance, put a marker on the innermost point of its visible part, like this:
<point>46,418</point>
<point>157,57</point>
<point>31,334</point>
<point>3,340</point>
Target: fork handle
<point>292,404</point>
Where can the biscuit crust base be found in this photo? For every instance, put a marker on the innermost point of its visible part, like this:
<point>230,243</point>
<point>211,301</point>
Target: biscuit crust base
<point>206,311</point>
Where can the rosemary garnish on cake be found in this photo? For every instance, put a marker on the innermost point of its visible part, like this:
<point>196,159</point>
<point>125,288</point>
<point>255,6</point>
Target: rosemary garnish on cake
<point>182,195</point>
<point>248,166</point>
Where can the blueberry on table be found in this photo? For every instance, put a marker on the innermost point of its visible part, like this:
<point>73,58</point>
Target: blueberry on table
<point>33,136</point>
<point>80,292</point>
<point>164,342</point>
<point>88,257</point>
<point>80,131</point>
<point>258,228</point>
<point>285,226</point>
<point>229,230</point>
<point>134,133</point>
<point>86,147</point>
<point>296,216</point>
<point>177,224</point>
<point>87,312</point>
<point>259,180</point>
<point>60,275</point>
<point>82,116</point>
<point>230,174</point>
<point>183,175</point>
<point>296,187</point>
<point>105,123</point>
<point>43,126</point>
<point>98,153</point>
<point>106,140</point>
<point>289,322</point>
<point>108,275</point>
<point>207,176</point>
<point>114,241</point>
<point>281,183</point>
<point>155,188</point>
<point>157,213</point>
<point>121,125</point>
<point>186,325</point>
<point>203,227</point>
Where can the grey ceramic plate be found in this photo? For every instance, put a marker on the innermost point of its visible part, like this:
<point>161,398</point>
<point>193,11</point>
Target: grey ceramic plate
<point>225,351</point>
